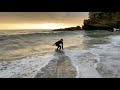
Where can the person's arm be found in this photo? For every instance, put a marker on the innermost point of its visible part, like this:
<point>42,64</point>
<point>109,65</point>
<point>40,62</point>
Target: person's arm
<point>53,44</point>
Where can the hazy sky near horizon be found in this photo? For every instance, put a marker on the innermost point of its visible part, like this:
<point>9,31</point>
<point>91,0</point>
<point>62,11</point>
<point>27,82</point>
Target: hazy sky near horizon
<point>41,20</point>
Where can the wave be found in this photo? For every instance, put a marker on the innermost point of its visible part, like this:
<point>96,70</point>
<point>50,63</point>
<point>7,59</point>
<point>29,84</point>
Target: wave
<point>64,64</point>
<point>85,62</point>
<point>32,35</point>
<point>23,68</point>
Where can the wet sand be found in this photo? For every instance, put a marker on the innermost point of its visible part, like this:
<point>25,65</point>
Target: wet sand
<point>59,67</point>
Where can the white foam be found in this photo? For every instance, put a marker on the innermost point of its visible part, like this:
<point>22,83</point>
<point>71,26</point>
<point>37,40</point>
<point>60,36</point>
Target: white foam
<point>98,59</point>
<point>28,67</point>
<point>24,68</point>
<point>88,72</point>
<point>85,68</point>
<point>75,64</point>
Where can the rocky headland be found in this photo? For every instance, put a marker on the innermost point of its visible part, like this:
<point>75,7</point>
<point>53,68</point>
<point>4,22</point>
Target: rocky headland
<point>102,21</point>
<point>68,29</point>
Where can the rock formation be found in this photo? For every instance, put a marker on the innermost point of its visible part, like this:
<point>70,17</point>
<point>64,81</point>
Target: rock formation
<point>102,21</point>
<point>69,29</point>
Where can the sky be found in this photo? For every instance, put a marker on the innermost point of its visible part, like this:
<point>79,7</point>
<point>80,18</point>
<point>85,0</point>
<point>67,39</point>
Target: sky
<point>41,20</point>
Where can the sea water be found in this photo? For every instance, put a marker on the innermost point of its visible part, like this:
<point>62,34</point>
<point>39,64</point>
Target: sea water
<point>86,54</point>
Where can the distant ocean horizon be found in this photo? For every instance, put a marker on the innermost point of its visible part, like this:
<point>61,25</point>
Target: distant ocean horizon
<point>22,31</point>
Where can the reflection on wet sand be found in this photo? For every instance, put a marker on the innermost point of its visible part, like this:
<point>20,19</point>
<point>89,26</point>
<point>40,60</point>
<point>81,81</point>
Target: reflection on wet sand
<point>59,67</point>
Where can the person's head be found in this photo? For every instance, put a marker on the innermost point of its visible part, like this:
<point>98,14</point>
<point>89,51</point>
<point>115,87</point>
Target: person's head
<point>61,39</point>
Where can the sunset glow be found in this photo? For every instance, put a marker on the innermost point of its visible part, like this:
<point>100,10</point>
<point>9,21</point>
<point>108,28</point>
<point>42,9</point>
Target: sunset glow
<point>45,26</point>
<point>41,20</point>
<point>34,26</point>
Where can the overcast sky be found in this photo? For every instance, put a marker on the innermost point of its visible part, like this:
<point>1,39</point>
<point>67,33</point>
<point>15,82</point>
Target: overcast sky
<point>9,19</point>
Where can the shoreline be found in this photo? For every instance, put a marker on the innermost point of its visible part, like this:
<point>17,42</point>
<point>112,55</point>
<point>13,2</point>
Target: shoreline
<point>83,30</point>
<point>78,28</point>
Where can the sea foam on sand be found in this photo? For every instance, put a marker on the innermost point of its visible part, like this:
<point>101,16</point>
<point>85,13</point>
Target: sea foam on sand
<point>84,62</point>
<point>24,68</point>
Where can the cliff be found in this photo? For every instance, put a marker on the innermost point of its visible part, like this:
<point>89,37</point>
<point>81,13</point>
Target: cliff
<point>102,21</point>
<point>69,29</point>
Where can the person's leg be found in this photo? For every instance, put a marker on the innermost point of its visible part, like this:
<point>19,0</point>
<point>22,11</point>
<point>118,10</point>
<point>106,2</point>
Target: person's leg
<point>59,47</point>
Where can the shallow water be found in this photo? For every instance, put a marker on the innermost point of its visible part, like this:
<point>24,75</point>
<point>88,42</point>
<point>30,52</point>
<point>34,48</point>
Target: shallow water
<point>87,54</point>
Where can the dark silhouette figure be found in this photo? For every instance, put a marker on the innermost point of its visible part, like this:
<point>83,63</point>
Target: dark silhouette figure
<point>58,44</point>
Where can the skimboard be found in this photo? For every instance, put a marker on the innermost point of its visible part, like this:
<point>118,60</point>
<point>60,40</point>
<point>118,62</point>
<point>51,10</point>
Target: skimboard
<point>59,51</point>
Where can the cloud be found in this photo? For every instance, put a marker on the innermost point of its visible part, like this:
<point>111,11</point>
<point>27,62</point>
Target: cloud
<point>74,18</point>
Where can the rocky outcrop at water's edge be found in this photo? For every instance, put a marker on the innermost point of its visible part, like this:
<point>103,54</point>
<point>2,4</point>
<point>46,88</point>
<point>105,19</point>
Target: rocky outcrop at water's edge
<point>69,29</point>
<point>102,21</point>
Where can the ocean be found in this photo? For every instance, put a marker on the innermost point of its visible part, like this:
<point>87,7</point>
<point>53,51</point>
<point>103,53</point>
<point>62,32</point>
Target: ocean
<point>86,54</point>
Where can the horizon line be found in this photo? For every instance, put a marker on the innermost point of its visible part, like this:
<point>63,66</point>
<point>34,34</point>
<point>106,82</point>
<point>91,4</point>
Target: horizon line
<point>39,28</point>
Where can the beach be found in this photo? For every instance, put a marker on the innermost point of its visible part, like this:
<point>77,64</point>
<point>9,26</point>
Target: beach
<point>86,54</point>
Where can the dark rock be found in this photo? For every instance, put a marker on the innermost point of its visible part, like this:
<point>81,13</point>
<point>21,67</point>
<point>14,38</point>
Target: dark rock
<point>102,21</point>
<point>69,29</point>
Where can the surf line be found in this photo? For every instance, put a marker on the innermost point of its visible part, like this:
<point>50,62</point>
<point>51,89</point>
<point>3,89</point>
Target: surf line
<point>77,68</point>
<point>74,64</point>
<point>98,59</point>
